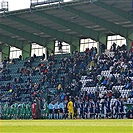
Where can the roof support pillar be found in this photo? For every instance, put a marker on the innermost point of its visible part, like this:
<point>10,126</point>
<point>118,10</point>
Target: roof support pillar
<point>26,51</point>
<point>75,46</point>
<point>51,46</point>
<point>5,50</point>
<point>129,41</point>
<point>129,44</point>
<point>103,39</point>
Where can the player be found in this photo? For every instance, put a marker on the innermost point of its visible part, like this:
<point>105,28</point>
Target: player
<point>70,109</point>
<point>108,105</point>
<point>12,111</point>
<point>34,110</point>
<point>86,110</point>
<point>61,108</point>
<point>97,109</point>
<point>45,110</point>
<point>76,109</point>
<point>27,110</point>
<point>92,108</point>
<point>116,104</point>
<point>19,111</point>
<point>65,110</point>
<point>15,111</point>
<point>51,109</point>
<point>56,109</point>
<point>81,110</point>
<point>23,110</point>
<point>6,110</point>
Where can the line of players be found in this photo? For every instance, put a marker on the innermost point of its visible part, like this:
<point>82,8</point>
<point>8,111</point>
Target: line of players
<point>63,110</point>
<point>88,110</point>
<point>16,111</point>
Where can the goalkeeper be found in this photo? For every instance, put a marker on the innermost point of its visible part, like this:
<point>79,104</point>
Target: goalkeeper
<point>70,109</point>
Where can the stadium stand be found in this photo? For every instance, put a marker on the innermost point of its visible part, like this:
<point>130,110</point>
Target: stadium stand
<point>99,86</point>
<point>94,84</point>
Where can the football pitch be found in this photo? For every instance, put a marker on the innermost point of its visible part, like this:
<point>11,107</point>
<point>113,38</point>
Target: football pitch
<point>66,126</point>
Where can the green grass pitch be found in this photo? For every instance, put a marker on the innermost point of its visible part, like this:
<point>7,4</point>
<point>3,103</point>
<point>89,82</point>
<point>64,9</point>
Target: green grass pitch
<point>66,126</point>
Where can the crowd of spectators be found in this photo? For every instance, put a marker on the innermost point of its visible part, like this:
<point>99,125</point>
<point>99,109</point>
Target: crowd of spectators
<point>64,75</point>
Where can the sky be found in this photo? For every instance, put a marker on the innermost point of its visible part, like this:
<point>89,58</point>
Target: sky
<point>19,4</point>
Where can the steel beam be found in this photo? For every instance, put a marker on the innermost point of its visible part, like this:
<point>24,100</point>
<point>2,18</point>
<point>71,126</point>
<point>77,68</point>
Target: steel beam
<point>62,36</point>
<point>13,42</point>
<point>116,28</point>
<point>26,35</point>
<point>115,10</point>
<point>95,35</point>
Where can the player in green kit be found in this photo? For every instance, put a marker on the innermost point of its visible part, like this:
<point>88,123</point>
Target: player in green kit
<point>28,110</point>
<point>15,115</point>
<point>6,110</point>
<point>12,111</point>
<point>44,111</point>
<point>19,111</point>
<point>23,110</point>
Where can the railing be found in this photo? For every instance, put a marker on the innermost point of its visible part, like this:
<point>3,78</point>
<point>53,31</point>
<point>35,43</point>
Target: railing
<point>34,3</point>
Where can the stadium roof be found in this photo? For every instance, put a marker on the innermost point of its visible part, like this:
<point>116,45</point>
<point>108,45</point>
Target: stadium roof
<point>67,22</point>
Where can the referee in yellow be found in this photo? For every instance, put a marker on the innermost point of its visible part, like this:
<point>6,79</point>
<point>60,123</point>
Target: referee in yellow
<point>70,109</point>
